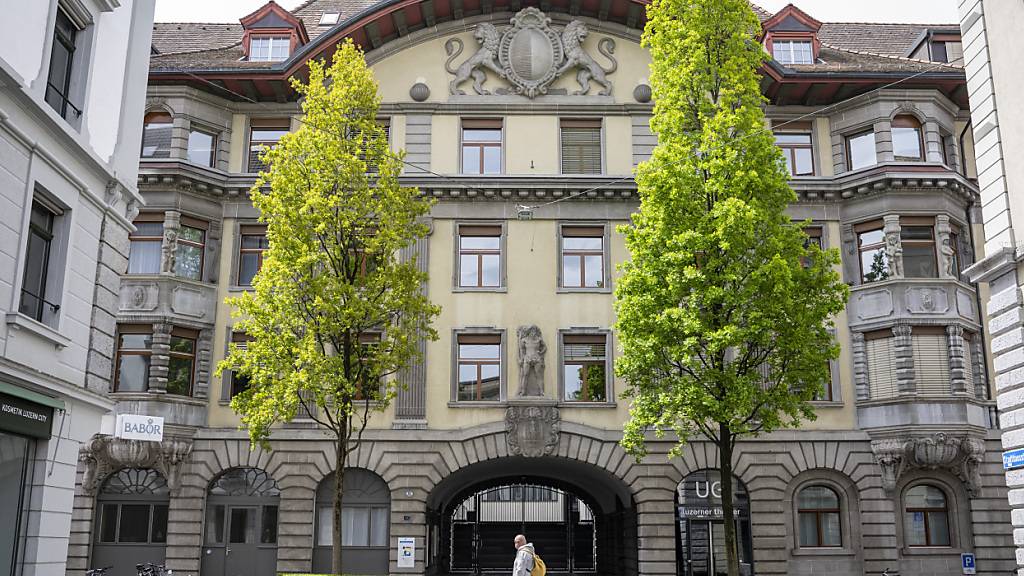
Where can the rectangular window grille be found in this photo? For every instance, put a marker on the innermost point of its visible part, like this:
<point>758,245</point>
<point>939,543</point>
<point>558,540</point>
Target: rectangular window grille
<point>481,146</point>
<point>793,51</point>
<point>931,361</point>
<point>583,257</point>
<point>581,146</point>
<point>264,133</point>
<point>479,256</point>
<point>795,141</point>
<point>269,48</point>
<point>144,253</point>
<point>584,367</point>
<point>881,356</point>
<point>479,367</point>
<point>252,246</point>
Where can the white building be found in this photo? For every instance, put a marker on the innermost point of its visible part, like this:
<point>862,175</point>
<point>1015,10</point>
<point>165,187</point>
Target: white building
<point>72,94</point>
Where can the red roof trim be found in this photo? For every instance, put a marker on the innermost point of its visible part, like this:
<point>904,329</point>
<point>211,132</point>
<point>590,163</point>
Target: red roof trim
<point>271,6</point>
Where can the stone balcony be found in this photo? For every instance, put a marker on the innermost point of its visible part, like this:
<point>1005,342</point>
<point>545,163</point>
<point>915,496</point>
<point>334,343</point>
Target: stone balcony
<point>167,298</point>
<point>934,301</point>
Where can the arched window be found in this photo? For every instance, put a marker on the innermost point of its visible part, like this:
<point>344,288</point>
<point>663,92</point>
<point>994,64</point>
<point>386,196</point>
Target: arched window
<point>907,143</point>
<point>156,135</point>
<point>819,517</point>
<point>241,523</point>
<point>131,518</point>
<point>926,516</point>
<point>365,523</point>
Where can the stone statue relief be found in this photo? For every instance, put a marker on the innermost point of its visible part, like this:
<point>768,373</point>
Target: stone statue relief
<point>530,55</point>
<point>531,361</point>
<point>948,258</point>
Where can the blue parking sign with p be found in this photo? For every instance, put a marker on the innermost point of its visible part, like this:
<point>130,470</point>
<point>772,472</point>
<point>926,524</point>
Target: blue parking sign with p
<point>967,563</point>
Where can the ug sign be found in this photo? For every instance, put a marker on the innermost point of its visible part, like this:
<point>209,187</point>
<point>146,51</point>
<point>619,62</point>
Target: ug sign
<point>530,55</point>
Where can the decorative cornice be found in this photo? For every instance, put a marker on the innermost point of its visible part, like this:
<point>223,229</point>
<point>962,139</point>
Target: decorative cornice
<point>959,454</point>
<point>104,455</point>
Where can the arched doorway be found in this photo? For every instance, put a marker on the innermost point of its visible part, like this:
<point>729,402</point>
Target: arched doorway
<point>581,518</point>
<point>365,521</point>
<point>131,523</point>
<point>700,529</point>
<point>240,533</point>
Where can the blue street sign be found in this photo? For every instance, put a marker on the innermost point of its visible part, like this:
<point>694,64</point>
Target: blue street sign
<point>967,563</point>
<point>1013,459</point>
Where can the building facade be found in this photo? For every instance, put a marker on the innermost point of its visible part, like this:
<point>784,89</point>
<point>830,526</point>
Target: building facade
<point>525,122</point>
<point>989,37</point>
<point>72,95</point>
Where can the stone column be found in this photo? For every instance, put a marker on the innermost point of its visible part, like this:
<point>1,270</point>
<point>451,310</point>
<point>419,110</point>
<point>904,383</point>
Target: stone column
<point>893,245</point>
<point>172,225</point>
<point>860,367</point>
<point>158,361</point>
<point>932,142</point>
<point>883,141</point>
<point>944,247</point>
<point>958,360</point>
<point>904,353</point>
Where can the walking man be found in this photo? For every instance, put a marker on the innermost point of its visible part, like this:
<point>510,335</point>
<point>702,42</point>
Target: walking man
<point>525,555</point>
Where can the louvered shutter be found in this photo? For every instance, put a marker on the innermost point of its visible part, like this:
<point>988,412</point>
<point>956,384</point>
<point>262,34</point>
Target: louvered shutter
<point>581,146</point>
<point>969,363</point>
<point>881,368</point>
<point>931,364</point>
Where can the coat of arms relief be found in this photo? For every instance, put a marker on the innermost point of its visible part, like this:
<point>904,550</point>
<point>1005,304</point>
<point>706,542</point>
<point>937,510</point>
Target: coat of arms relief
<point>530,55</point>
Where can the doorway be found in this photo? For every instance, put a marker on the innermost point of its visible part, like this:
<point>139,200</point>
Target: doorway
<point>241,525</point>
<point>700,527</point>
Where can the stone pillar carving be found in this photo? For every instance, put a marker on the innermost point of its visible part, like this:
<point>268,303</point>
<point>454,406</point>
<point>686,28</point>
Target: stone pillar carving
<point>168,249</point>
<point>204,346</point>
<point>159,358</point>
<point>958,454</point>
<point>904,359</point>
<point>959,360</point>
<point>889,455</point>
<point>849,261</point>
<point>947,252</point>
<point>977,352</point>
<point>103,455</point>
<point>411,396</point>
<point>531,361</point>
<point>212,256</point>
<point>860,366</point>
<point>893,246</point>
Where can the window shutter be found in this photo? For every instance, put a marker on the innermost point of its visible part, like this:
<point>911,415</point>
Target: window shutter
<point>584,347</point>
<point>581,147</point>
<point>881,368</point>
<point>969,363</point>
<point>931,364</point>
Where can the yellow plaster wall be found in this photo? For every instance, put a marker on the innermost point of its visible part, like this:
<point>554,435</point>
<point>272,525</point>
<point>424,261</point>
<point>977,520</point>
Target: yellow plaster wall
<point>397,132</point>
<point>236,154</point>
<point>823,143</point>
<point>444,144</point>
<point>618,145</point>
<point>531,145</point>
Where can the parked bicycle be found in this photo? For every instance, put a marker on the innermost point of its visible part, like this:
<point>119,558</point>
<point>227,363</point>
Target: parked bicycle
<point>150,569</point>
<point>98,571</point>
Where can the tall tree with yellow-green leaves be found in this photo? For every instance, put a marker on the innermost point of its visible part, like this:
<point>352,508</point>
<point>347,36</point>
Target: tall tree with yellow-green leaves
<point>334,312</point>
<point>724,310</point>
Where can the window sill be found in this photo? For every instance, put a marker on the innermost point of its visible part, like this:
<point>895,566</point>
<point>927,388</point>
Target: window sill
<point>496,289</point>
<point>931,551</point>
<point>477,404</point>
<point>823,552</point>
<point>601,290</point>
<point>19,321</point>
<point>234,288</point>
<point>827,403</point>
<point>579,404</point>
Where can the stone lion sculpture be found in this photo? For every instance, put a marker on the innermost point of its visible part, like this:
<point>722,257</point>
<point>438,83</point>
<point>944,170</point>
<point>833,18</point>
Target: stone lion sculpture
<point>576,57</point>
<point>531,361</point>
<point>486,57</point>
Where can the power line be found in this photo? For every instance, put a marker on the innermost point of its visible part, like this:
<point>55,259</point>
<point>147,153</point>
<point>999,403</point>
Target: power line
<point>520,207</point>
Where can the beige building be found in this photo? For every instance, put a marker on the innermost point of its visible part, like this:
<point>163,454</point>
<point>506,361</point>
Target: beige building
<point>531,171</point>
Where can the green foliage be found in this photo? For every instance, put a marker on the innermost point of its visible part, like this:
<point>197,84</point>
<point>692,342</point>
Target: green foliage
<point>724,310</point>
<point>332,280</point>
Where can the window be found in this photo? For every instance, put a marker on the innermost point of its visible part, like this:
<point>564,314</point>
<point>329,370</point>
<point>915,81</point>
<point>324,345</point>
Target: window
<point>156,135</point>
<point>136,523</point>
<point>926,516</point>
<point>269,48</point>
<point>263,133</point>
<point>860,150</point>
<point>907,144</point>
<point>35,298</point>
<point>182,362</point>
<point>479,256</point>
<point>62,60</point>
<point>818,512</point>
<point>585,367</point>
<point>146,241</point>
<point>795,143</point>
<point>479,367</point>
<point>251,247</point>
<point>954,244</point>
<point>581,146</point>
<point>369,389</point>
<point>329,18</point>
<point>918,241</point>
<point>481,146</point>
<point>825,394</point>
<point>931,360</point>
<point>188,254</point>
<point>814,238</point>
<point>134,349</point>
<point>238,382</point>
<point>880,349</point>
<point>948,51</point>
<point>202,147</point>
<point>793,51</point>
<point>361,526</point>
<point>583,257</point>
<point>874,260</point>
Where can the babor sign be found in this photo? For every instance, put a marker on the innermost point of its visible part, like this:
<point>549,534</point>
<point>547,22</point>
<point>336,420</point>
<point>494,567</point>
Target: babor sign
<point>139,427</point>
<point>700,497</point>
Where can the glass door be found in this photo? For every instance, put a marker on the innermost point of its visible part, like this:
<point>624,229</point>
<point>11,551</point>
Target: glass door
<point>240,554</point>
<point>706,552</point>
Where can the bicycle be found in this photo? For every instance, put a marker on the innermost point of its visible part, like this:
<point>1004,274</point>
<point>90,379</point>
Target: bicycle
<point>150,569</point>
<point>98,571</point>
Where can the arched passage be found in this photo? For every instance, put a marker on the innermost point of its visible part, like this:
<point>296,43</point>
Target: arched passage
<point>581,518</point>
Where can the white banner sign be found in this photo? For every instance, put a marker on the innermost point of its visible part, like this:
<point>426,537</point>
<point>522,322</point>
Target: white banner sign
<point>406,552</point>
<point>139,427</point>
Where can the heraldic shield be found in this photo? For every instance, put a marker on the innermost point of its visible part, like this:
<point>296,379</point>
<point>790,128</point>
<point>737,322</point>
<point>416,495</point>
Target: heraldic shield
<point>532,430</point>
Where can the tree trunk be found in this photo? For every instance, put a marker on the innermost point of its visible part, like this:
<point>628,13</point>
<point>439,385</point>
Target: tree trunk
<point>339,486</point>
<point>728,514</point>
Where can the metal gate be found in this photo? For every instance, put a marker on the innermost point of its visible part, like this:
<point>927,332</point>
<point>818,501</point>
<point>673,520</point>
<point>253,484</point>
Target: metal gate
<point>560,526</point>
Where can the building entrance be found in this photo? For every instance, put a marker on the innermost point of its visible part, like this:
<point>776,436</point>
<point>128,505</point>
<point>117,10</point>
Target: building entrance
<point>701,529</point>
<point>559,524</point>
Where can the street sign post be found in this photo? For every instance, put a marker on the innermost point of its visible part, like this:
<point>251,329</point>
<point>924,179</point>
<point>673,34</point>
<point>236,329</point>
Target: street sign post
<point>1013,459</point>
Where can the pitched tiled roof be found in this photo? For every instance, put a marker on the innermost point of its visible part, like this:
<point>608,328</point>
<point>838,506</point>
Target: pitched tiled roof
<point>852,47</point>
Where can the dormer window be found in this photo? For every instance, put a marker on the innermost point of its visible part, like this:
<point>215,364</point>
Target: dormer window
<point>793,51</point>
<point>269,48</point>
